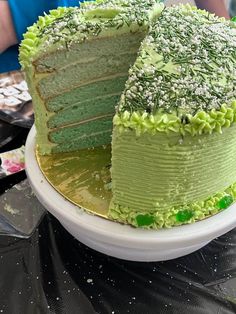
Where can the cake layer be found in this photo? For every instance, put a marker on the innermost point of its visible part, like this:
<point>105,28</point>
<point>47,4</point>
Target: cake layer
<point>91,133</point>
<point>85,110</point>
<point>106,59</point>
<point>86,102</point>
<point>99,88</point>
<point>94,140</point>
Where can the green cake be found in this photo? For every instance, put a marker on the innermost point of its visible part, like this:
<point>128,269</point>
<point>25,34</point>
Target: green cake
<point>172,72</point>
<point>174,137</point>
<point>76,62</point>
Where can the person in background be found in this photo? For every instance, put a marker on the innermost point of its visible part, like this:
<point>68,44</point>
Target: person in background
<point>15,17</point>
<point>232,8</point>
<point>218,7</point>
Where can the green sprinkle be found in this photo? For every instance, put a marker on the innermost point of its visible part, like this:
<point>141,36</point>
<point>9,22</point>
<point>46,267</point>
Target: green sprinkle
<point>178,68</point>
<point>184,215</point>
<point>145,220</point>
<point>225,202</point>
<point>233,19</point>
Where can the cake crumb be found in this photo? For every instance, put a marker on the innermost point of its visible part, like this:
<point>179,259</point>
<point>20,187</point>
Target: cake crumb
<point>89,280</point>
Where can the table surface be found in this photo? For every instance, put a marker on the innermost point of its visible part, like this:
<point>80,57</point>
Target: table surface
<point>51,272</point>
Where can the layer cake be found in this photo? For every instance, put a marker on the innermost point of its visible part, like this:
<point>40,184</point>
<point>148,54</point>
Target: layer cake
<point>174,131</point>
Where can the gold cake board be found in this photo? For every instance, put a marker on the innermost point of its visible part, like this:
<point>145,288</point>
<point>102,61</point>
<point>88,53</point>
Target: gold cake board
<point>82,177</point>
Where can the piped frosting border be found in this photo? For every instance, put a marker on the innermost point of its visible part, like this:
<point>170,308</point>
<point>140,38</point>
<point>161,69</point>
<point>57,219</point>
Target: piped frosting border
<point>200,123</point>
<point>175,216</point>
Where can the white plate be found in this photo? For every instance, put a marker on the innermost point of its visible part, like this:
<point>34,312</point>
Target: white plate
<point>119,240</point>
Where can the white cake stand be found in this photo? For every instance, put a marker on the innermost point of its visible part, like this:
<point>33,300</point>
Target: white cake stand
<point>119,240</point>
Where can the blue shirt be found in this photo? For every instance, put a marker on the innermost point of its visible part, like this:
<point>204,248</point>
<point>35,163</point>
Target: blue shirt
<point>25,13</point>
<point>232,8</point>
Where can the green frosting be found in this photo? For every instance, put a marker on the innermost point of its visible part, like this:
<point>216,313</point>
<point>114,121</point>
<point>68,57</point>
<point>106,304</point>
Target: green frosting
<point>186,65</point>
<point>175,216</point>
<point>200,123</point>
<point>172,177</point>
<point>155,172</point>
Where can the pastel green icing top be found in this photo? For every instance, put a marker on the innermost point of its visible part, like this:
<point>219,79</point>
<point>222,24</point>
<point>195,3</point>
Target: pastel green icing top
<point>186,68</point>
<point>64,26</point>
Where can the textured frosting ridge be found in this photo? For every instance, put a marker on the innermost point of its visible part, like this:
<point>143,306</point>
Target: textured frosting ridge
<point>175,216</point>
<point>200,123</point>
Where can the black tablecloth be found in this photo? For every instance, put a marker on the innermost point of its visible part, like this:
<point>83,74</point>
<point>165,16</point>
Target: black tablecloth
<point>53,273</point>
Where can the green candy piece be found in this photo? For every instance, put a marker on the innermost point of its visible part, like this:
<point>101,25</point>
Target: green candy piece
<point>145,220</point>
<point>184,215</point>
<point>233,19</point>
<point>225,202</point>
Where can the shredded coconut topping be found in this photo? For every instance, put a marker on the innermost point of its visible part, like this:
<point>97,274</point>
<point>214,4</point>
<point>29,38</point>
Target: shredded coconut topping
<point>186,64</point>
<point>93,17</point>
